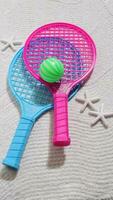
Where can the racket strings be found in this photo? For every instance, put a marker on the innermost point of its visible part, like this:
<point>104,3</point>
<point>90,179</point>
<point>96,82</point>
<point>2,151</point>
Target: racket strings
<point>26,87</point>
<point>69,34</point>
<point>43,48</point>
<point>57,41</point>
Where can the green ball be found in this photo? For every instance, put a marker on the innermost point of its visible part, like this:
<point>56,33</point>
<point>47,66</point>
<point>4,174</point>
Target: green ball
<point>51,70</point>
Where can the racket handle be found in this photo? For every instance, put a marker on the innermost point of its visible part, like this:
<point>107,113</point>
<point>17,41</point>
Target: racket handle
<point>18,143</point>
<point>61,135</point>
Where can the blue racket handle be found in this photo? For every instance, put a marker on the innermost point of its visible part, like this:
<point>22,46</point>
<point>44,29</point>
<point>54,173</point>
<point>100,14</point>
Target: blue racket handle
<point>18,144</point>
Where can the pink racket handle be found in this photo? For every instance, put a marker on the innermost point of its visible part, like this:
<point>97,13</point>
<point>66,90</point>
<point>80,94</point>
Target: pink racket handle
<point>61,132</point>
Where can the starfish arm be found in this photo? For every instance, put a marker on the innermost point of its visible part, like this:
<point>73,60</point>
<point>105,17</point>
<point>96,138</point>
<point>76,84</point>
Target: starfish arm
<point>80,100</point>
<point>94,113</point>
<point>102,108</point>
<point>108,114</point>
<point>94,100</point>
<point>95,121</point>
<point>104,121</point>
<point>12,47</point>
<point>84,107</point>
<point>3,41</point>
<point>17,43</point>
<point>5,47</point>
<point>91,105</point>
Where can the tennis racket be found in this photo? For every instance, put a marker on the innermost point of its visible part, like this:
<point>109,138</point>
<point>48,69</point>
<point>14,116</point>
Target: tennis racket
<point>34,100</point>
<point>47,41</point>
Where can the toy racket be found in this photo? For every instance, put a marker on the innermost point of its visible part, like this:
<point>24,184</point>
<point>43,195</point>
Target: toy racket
<point>47,41</point>
<point>34,100</point>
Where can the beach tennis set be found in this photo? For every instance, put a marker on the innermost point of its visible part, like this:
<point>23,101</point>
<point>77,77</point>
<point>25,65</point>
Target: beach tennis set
<point>56,60</point>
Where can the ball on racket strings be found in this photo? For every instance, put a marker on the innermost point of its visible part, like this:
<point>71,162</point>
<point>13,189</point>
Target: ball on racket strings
<point>51,70</point>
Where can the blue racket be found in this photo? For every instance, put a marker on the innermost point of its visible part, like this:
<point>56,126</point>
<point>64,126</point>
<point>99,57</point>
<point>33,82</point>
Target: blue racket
<point>34,100</point>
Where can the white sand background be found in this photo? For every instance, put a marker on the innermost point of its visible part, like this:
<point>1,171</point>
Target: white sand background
<point>83,171</point>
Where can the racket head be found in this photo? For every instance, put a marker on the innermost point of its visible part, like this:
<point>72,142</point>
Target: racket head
<point>46,42</point>
<point>27,90</point>
<point>23,86</point>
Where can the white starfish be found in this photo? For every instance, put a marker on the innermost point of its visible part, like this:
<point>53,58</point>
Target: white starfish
<point>100,116</point>
<point>11,43</point>
<point>87,102</point>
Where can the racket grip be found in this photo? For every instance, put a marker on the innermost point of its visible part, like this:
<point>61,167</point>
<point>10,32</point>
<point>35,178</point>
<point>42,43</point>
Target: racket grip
<point>61,135</point>
<point>18,143</point>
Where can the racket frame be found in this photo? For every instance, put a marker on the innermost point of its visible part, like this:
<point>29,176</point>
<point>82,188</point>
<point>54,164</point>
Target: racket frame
<point>28,117</point>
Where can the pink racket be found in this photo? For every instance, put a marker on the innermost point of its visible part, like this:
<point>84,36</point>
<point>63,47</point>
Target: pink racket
<point>76,50</point>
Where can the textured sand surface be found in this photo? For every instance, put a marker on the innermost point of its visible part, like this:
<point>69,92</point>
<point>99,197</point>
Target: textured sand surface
<point>83,171</point>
